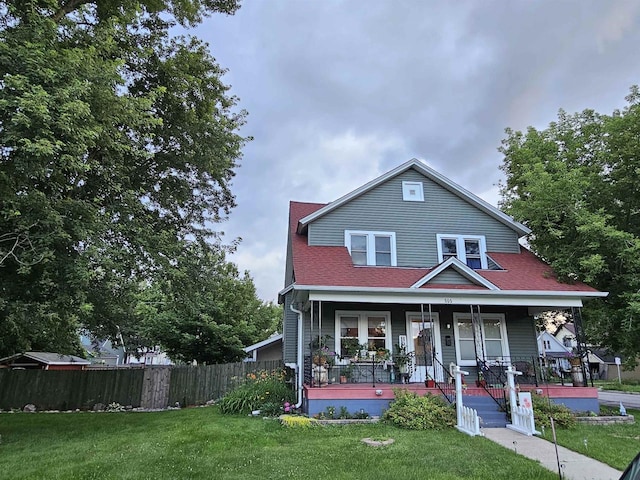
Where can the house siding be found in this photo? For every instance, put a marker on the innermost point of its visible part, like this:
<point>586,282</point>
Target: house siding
<point>521,332</point>
<point>416,223</point>
<point>290,331</point>
<point>452,277</point>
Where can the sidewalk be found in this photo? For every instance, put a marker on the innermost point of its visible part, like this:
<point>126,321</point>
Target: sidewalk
<point>574,465</point>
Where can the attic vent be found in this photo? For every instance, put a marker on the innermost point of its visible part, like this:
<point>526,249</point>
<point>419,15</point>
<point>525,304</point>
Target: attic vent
<point>412,192</point>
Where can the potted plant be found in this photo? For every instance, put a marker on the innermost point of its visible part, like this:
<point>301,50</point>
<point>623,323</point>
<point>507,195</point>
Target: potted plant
<point>346,373</point>
<point>402,360</point>
<point>349,348</point>
<point>364,351</point>
<point>382,354</point>
<point>481,382</point>
<point>320,350</point>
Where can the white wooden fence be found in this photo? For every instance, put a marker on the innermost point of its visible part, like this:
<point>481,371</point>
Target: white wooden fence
<point>468,420</point>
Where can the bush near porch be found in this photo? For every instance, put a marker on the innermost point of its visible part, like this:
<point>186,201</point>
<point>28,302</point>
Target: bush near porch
<point>419,412</point>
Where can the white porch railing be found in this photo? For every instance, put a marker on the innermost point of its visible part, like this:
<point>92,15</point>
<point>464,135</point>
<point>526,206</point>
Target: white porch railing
<point>468,420</point>
<point>522,419</point>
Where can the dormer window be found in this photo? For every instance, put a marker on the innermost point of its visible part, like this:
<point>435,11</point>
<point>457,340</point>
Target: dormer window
<point>469,249</point>
<point>371,248</point>
<point>412,192</point>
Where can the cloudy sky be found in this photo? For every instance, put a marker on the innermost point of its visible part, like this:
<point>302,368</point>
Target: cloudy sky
<point>339,92</point>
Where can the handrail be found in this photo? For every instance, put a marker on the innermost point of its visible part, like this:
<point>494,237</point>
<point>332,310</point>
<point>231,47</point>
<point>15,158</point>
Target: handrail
<point>447,386</point>
<point>488,377</point>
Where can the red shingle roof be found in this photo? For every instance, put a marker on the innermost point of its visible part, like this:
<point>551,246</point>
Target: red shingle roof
<point>332,266</point>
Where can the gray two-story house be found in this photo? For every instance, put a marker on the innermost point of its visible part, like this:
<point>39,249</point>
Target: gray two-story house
<point>400,280</point>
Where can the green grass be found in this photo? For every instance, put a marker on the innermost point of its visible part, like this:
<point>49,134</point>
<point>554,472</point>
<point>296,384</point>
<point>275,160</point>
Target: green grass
<point>201,443</point>
<point>625,386</point>
<point>615,445</point>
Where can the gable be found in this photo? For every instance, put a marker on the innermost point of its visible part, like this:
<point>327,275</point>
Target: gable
<point>416,223</point>
<point>417,195</point>
<point>450,277</point>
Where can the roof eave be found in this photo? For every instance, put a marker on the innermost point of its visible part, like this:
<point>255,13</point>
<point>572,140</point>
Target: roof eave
<point>457,292</point>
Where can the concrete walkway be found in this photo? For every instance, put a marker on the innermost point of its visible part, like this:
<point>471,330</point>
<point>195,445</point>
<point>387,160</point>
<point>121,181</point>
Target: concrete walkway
<point>574,465</point>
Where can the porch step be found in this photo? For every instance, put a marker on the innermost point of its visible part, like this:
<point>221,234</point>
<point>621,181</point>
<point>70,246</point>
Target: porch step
<point>488,410</point>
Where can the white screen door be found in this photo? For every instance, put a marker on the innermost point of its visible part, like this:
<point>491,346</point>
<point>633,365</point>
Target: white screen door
<point>424,342</point>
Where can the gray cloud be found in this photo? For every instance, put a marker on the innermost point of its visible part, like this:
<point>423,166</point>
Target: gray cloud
<point>341,91</point>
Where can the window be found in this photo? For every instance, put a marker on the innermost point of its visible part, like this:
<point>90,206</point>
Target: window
<point>371,248</point>
<point>412,192</point>
<point>567,341</point>
<point>489,334</point>
<point>357,328</point>
<point>469,249</point>
<point>547,345</point>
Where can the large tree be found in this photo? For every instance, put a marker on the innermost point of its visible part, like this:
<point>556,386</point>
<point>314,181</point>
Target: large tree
<point>203,309</point>
<point>117,144</point>
<point>576,184</point>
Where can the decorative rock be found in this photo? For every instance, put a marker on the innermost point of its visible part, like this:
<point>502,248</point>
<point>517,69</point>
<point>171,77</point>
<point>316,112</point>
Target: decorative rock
<point>377,443</point>
<point>98,407</point>
<point>29,408</point>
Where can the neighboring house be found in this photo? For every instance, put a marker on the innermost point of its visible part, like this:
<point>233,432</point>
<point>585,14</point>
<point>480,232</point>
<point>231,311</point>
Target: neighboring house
<point>554,354</point>
<point>409,260</point>
<point>566,334</point>
<point>43,361</point>
<point>609,369</point>
<point>102,351</point>
<point>269,349</point>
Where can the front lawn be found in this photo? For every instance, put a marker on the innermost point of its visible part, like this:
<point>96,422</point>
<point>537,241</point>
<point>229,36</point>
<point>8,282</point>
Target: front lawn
<point>615,445</point>
<point>625,386</point>
<point>201,443</point>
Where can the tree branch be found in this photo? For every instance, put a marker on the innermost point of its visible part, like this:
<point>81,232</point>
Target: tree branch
<point>66,8</point>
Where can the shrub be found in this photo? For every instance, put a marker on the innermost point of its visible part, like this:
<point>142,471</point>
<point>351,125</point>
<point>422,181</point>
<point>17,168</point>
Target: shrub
<point>543,408</point>
<point>411,411</point>
<point>264,391</point>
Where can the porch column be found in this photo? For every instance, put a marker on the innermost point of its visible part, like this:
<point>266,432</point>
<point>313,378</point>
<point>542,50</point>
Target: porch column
<point>576,313</point>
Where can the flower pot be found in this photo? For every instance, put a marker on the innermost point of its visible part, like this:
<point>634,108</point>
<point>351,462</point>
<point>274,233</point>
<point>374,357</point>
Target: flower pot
<point>429,383</point>
<point>575,361</point>
<point>319,360</point>
<point>343,379</point>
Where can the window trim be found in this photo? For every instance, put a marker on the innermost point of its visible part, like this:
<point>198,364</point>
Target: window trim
<point>461,250</point>
<point>371,244</point>
<point>363,329</point>
<point>506,353</point>
<point>406,196</point>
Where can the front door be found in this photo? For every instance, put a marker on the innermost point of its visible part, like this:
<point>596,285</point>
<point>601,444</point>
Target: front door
<point>424,342</point>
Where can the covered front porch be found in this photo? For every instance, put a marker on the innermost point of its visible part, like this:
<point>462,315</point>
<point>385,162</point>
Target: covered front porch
<point>357,348</point>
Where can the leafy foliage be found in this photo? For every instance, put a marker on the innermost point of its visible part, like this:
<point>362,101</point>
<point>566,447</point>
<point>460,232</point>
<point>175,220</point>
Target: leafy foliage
<point>410,410</point>
<point>543,408</point>
<point>266,391</point>
<point>202,309</point>
<point>575,185</point>
<point>118,144</point>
